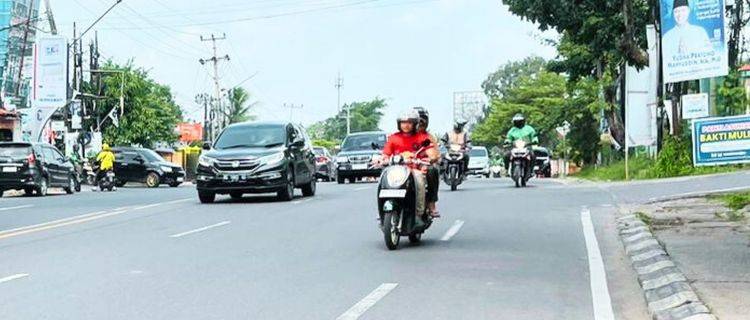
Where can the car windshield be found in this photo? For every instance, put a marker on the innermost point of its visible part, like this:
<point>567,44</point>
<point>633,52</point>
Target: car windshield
<point>478,152</point>
<point>363,142</point>
<point>152,156</point>
<point>251,137</point>
<point>319,151</point>
<point>14,151</point>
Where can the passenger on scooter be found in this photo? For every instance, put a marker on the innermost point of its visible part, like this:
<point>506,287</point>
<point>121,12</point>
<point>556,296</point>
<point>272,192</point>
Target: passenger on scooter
<point>407,141</point>
<point>106,160</point>
<point>520,131</point>
<point>433,172</point>
<point>459,137</point>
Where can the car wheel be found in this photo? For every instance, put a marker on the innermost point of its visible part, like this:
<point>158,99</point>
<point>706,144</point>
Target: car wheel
<point>71,188</point>
<point>28,191</point>
<point>152,180</point>
<point>174,184</point>
<point>340,180</point>
<point>309,189</point>
<point>120,183</point>
<point>236,195</point>
<point>287,194</point>
<point>352,180</point>
<point>41,190</point>
<point>206,196</point>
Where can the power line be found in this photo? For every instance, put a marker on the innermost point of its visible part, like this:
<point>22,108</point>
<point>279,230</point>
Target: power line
<point>264,17</point>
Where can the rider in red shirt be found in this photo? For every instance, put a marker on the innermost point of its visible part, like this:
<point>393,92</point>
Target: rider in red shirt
<point>409,140</point>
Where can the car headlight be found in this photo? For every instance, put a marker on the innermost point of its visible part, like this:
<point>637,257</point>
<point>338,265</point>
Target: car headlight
<point>272,159</point>
<point>342,159</point>
<point>377,157</point>
<point>166,169</point>
<point>206,161</point>
<point>396,176</point>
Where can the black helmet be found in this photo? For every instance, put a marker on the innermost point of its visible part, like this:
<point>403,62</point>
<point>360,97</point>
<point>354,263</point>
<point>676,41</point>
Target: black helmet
<point>459,125</point>
<point>519,121</point>
<point>424,116</point>
<point>408,116</point>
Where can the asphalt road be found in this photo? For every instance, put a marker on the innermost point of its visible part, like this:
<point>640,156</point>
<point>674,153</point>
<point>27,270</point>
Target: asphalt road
<point>497,253</point>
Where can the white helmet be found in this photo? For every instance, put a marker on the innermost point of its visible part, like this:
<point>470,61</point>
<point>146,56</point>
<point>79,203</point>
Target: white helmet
<point>408,116</point>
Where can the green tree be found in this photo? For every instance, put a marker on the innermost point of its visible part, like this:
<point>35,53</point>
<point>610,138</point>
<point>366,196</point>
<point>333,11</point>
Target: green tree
<point>598,38</point>
<point>731,99</point>
<point>365,116</point>
<point>540,98</point>
<point>239,109</point>
<point>501,81</point>
<point>150,113</point>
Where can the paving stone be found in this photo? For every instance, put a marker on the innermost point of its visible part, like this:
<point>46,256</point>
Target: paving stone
<point>646,249</point>
<point>633,230</point>
<point>638,236</point>
<point>658,274</point>
<point>673,301</point>
<point>663,281</point>
<point>640,245</point>
<point>650,261</point>
<point>655,267</point>
<point>691,311</point>
<point>648,255</point>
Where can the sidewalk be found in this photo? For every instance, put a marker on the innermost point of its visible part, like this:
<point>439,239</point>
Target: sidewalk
<point>710,244</point>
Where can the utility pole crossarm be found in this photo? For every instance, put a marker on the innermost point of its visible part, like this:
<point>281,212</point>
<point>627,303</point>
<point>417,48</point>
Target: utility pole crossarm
<point>217,109</point>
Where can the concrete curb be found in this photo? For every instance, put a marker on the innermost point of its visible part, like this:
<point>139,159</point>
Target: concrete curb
<point>668,294</point>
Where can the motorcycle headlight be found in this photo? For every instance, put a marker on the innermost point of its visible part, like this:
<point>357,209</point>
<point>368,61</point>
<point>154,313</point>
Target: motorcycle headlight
<point>272,159</point>
<point>166,169</point>
<point>206,161</point>
<point>342,159</point>
<point>396,176</point>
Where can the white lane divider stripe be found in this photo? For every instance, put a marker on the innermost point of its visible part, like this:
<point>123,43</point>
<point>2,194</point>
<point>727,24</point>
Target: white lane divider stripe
<point>200,229</point>
<point>14,277</point>
<point>598,277</point>
<point>367,302</point>
<point>16,207</point>
<point>361,188</point>
<point>453,230</point>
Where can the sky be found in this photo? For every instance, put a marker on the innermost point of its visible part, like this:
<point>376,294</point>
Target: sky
<point>408,52</point>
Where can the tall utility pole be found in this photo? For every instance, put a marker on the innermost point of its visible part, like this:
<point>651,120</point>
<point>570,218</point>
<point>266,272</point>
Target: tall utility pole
<point>339,85</point>
<point>23,47</point>
<point>215,59</point>
<point>291,109</point>
<point>203,100</point>
<point>50,18</point>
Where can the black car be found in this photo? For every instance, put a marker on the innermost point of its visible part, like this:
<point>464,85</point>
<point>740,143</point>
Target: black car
<point>325,167</point>
<point>257,157</point>
<point>35,167</point>
<point>146,166</point>
<point>542,165</point>
<point>357,152</point>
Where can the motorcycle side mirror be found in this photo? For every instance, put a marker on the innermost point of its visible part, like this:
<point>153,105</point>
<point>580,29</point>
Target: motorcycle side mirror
<point>375,146</point>
<point>426,143</point>
<point>207,145</point>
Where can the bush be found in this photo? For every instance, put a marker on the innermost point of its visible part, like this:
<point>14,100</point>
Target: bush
<point>674,160</point>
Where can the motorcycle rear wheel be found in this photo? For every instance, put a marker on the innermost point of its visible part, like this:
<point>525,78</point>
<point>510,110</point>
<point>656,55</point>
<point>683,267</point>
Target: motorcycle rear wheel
<point>390,230</point>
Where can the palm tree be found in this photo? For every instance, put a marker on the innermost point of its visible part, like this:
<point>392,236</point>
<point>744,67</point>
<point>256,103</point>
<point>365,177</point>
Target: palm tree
<point>239,109</point>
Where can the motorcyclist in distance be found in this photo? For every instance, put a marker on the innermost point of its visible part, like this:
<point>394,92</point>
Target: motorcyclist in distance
<point>520,131</point>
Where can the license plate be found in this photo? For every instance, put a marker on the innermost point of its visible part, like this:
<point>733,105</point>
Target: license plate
<point>110,174</point>
<point>360,166</point>
<point>9,169</point>
<point>392,193</point>
<point>180,179</point>
<point>234,178</point>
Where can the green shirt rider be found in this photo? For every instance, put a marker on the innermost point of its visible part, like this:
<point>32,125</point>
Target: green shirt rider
<point>520,131</point>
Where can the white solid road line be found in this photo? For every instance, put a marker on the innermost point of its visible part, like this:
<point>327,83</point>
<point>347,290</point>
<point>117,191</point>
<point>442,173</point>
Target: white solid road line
<point>598,277</point>
<point>200,229</point>
<point>362,188</point>
<point>17,207</point>
<point>14,277</point>
<point>370,300</point>
<point>453,230</point>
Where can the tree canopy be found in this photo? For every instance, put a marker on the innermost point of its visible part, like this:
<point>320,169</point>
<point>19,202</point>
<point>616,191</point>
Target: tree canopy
<point>239,109</point>
<point>365,116</point>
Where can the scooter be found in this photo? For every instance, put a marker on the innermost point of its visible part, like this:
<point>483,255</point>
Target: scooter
<point>454,173</point>
<point>520,160</point>
<point>402,207</point>
<point>108,182</point>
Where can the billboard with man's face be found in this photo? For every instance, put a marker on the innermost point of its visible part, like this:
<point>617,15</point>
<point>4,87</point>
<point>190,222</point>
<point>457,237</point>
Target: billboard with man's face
<point>693,39</point>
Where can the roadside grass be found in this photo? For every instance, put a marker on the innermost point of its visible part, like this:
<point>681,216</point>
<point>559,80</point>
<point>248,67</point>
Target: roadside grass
<point>644,168</point>
<point>644,217</point>
<point>734,201</point>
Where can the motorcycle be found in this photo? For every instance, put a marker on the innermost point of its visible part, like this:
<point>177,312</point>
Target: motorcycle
<point>401,200</point>
<point>496,168</point>
<point>87,174</point>
<point>520,160</point>
<point>107,183</point>
<point>454,174</point>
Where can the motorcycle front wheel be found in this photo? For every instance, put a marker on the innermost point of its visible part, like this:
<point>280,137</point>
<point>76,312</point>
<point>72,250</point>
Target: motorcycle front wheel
<point>390,230</point>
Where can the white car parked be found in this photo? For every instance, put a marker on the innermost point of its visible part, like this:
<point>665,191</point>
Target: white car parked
<point>479,161</point>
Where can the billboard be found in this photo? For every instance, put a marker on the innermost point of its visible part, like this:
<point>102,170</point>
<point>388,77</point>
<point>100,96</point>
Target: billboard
<point>190,132</point>
<point>695,106</point>
<point>718,141</point>
<point>50,81</point>
<point>693,39</point>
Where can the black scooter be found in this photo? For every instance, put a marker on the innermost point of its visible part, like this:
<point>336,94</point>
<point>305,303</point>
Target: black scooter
<point>398,193</point>
<point>453,173</point>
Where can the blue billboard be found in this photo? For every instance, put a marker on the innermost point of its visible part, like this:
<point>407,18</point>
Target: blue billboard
<point>693,40</point>
<point>718,141</point>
